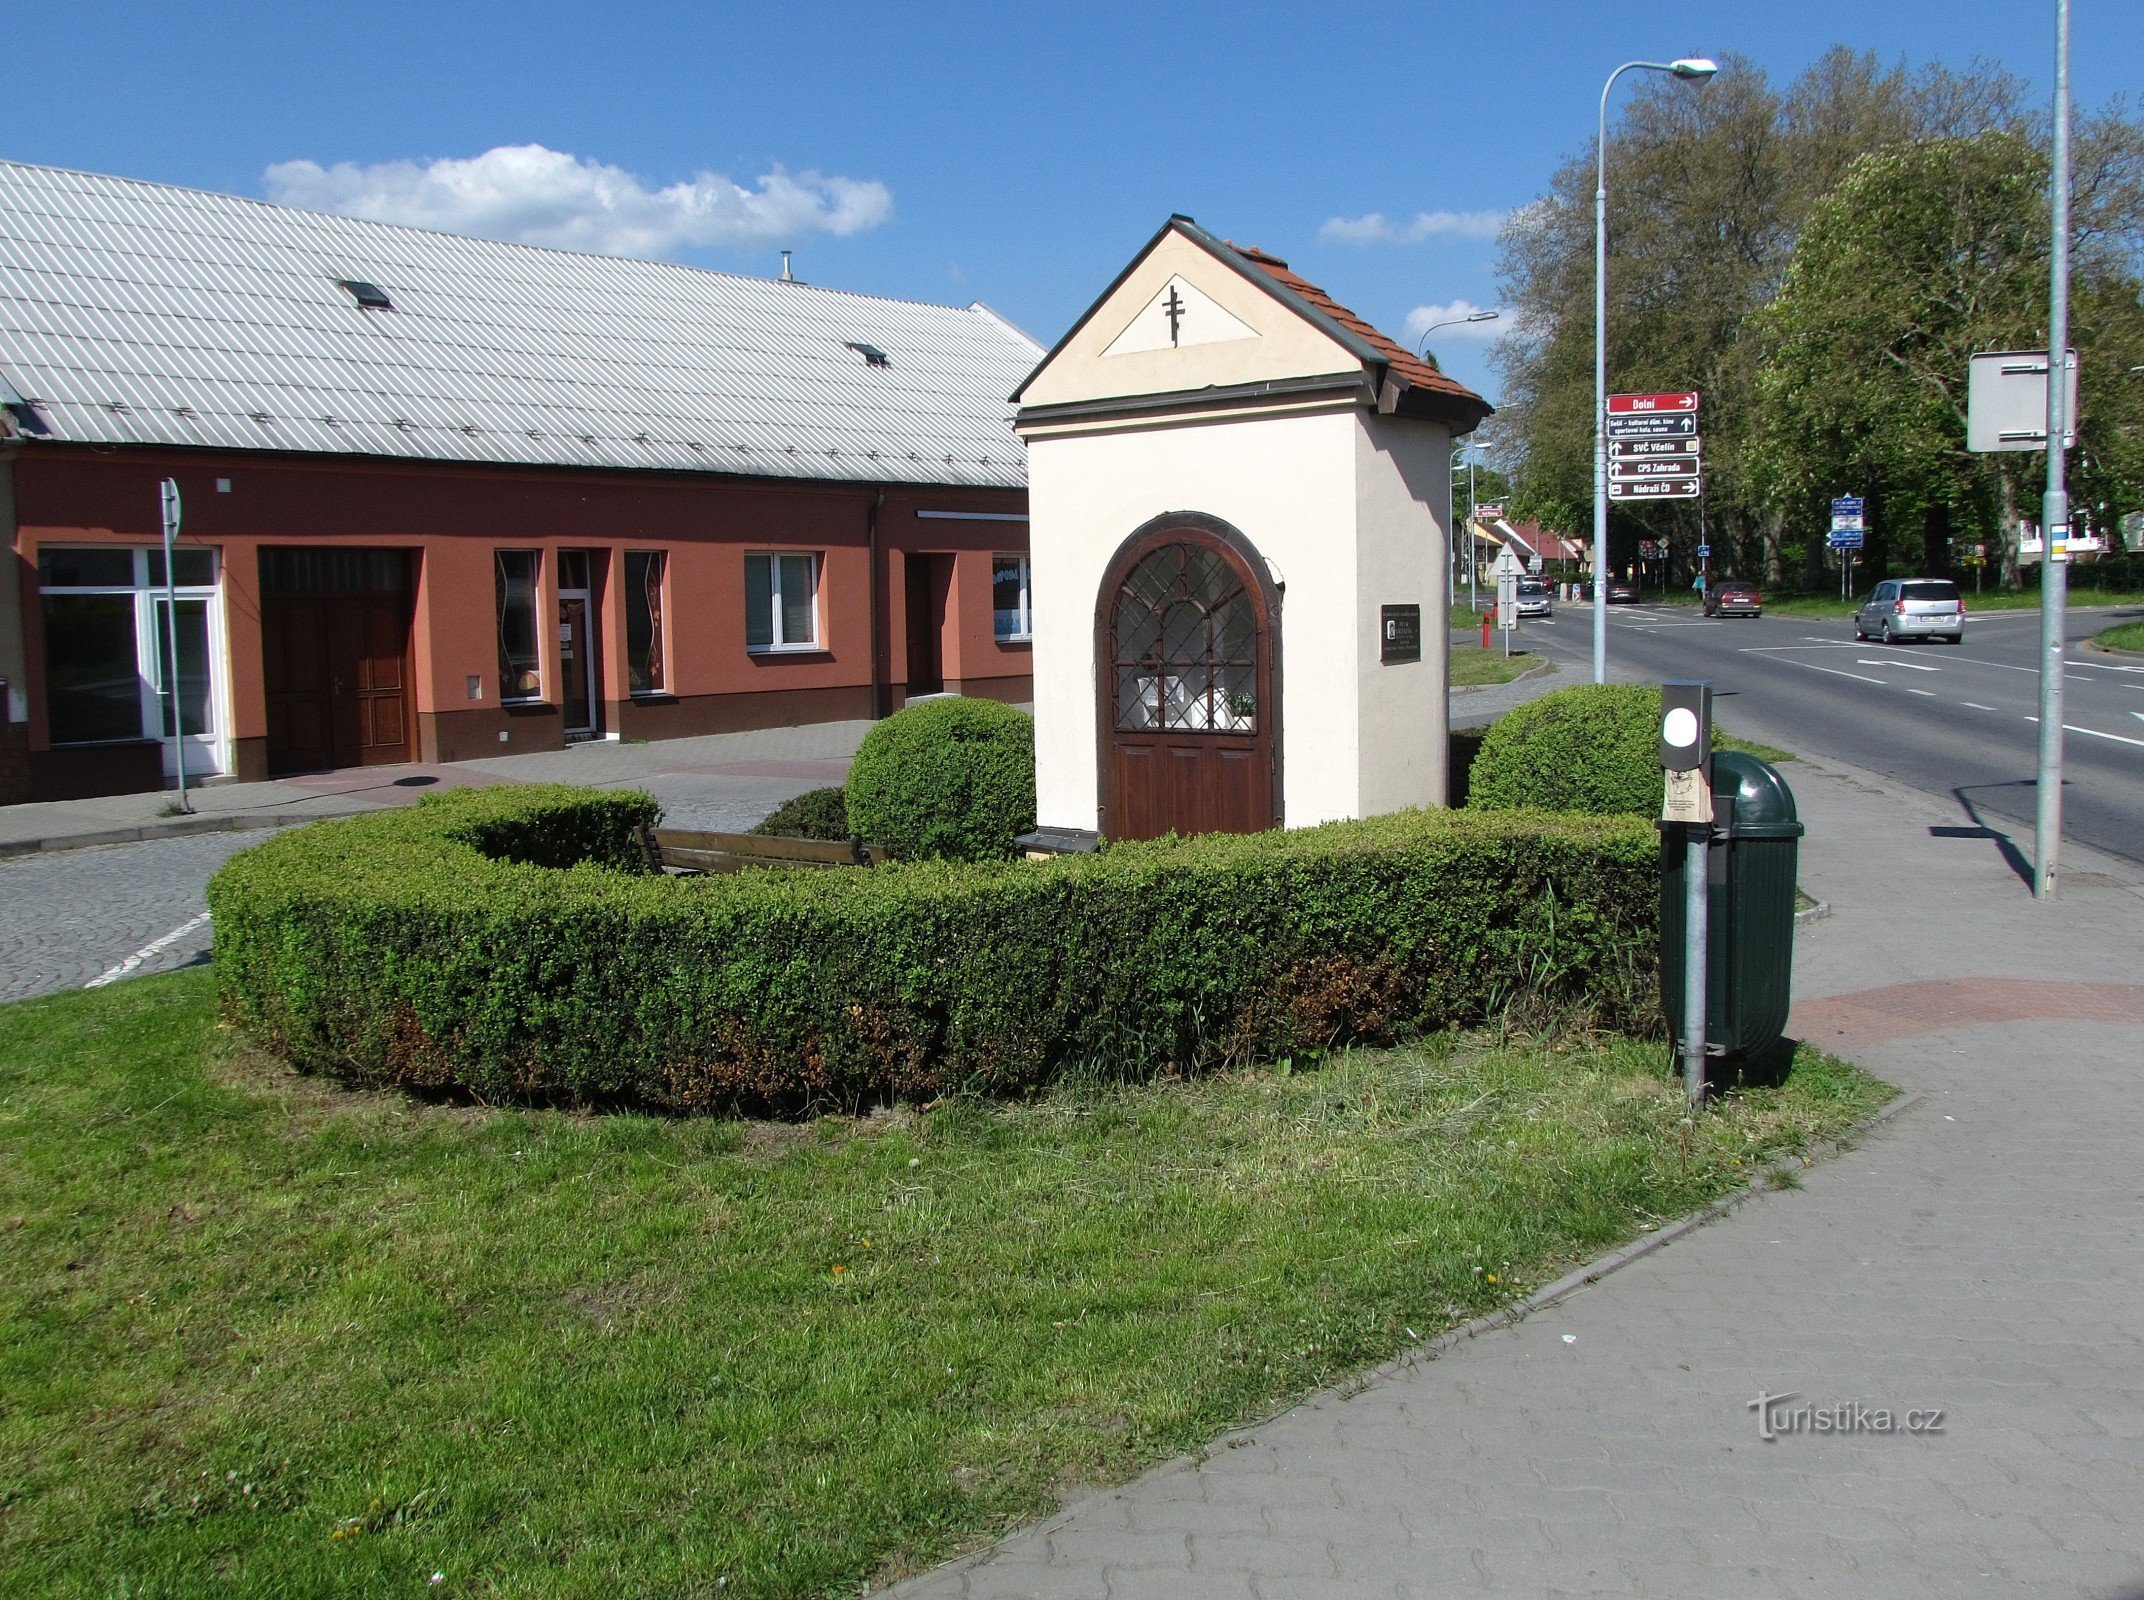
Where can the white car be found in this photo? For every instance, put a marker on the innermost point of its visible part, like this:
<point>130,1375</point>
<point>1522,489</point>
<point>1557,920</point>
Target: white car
<point>1536,599</point>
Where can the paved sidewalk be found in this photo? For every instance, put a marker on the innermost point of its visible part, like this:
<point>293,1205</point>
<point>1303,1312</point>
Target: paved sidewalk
<point>722,781</point>
<point>1978,1253</point>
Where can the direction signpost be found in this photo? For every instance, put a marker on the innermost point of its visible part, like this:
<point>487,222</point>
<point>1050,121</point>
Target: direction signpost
<point>1654,452</point>
<point>1849,531</point>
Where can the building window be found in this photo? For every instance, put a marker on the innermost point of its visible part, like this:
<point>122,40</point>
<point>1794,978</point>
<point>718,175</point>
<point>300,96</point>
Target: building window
<point>781,597</point>
<point>520,670</point>
<point>644,621</point>
<point>1013,620</point>
<point>110,630</point>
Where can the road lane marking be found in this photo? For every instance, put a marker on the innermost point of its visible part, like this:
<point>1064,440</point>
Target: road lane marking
<point>1858,677</point>
<point>2118,738</point>
<point>1911,666</point>
<point>113,974</point>
<point>1976,705</point>
<point>1928,692</point>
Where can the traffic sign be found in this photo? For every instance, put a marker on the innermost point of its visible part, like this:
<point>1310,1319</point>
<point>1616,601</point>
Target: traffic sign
<point>1655,489</point>
<point>1848,514</point>
<point>1623,405</point>
<point>1653,425</point>
<point>1648,449</point>
<point>1847,539</point>
<point>1703,551</point>
<point>1676,467</point>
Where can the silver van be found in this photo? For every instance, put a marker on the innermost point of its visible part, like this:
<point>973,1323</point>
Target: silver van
<point>1912,608</point>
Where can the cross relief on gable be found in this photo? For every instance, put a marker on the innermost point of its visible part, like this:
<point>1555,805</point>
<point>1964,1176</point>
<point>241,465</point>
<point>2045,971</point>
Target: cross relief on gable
<point>1179,314</point>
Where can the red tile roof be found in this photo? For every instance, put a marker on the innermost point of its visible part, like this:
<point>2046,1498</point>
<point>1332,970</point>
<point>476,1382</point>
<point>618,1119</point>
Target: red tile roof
<point>1410,368</point>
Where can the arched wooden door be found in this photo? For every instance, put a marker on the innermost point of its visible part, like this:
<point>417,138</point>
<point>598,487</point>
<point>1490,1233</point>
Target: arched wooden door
<point>1187,641</point>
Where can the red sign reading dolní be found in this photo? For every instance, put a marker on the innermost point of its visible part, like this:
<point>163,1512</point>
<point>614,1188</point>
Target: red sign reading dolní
<point>1624,405</point>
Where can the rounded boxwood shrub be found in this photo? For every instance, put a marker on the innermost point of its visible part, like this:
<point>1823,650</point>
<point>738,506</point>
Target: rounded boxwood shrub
<point>1593,747</point>
<point>814,814</point>
<point>953,779</point>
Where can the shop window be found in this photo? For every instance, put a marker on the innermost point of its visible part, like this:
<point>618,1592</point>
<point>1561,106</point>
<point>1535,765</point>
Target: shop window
<point>114,635</point>
<point>644,621</point>
<point>1011,617</point>
<point>93,681</point>
<point>520,669</point>
<point>781,601</point>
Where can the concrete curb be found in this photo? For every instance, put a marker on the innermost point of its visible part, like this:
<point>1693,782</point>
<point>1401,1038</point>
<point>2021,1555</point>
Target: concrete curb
<point>1428,1350</point>
<point>1815,913</point>
<point>1542,666</point>
<point>171,828</point>
<point>1761,1183</point>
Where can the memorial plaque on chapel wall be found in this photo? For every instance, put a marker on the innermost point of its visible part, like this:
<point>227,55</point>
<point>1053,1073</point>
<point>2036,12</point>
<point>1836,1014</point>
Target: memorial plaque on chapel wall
<point>1400,634</point>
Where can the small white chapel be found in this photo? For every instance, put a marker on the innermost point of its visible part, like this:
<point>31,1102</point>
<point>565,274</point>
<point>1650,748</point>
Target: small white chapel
<point>1239,503</point>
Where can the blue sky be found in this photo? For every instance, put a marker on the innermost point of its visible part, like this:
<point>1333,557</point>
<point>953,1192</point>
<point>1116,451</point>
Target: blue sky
<point>1016,154</point>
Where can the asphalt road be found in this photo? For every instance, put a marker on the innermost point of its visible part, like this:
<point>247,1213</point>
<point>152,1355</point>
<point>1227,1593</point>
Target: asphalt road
<point>1957,720</point>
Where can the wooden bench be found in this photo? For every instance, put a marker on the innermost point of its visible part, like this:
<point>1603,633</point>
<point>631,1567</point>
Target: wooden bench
<point>691,852</point>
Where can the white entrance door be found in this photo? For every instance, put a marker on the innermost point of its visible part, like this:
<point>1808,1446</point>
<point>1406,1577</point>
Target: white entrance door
<point>199,727</point>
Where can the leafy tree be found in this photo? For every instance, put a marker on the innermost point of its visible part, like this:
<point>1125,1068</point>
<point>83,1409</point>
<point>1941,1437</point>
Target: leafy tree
<point>1710,196</point>
<point>1924,253</point>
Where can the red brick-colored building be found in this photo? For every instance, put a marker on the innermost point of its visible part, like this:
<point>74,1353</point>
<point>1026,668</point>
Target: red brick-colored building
<point>445,498</point>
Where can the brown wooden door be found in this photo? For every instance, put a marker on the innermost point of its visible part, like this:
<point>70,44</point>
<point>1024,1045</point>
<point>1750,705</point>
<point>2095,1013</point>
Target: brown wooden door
<point>576,667</point>
<point>1186,628</point>
<point>335,660</point>
<point>930,589</point>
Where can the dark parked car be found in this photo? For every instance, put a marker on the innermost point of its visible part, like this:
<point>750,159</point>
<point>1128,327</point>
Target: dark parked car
<point>1623,592</point>
<point>1731,597</point>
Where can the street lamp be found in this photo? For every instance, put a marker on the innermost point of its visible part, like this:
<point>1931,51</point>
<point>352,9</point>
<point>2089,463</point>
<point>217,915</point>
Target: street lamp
<point>1454,322</point>
<point>1471,450</point>
<point>1692,69</point>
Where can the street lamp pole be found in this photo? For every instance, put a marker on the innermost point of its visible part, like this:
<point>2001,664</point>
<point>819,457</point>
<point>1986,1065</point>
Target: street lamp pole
<point>1451,520</point>
<point>2055,503</point>
<point>1692,69</point>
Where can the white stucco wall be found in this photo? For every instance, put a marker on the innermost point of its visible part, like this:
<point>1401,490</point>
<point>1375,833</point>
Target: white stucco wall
<point>1289,484</point>
<point>1402,555</point>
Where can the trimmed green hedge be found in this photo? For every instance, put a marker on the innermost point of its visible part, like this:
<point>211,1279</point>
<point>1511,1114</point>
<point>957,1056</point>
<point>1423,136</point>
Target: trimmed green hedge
<point>1592,747</point>
<point>502,941</point>
<point>952,779</point>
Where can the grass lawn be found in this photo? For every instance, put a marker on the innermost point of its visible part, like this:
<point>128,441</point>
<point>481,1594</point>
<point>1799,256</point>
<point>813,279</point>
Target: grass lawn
<point>2122,636</point>
<point>1473,666</point>
<point>263,1337</point>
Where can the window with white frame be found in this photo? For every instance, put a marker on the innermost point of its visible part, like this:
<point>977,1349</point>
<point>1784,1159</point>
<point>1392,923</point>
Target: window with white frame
<point>114,634</point>
<point>781,598</point>
<point>1012,619</point>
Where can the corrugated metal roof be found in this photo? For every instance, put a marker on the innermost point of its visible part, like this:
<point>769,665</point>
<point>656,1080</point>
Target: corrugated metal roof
<point>138,313</point>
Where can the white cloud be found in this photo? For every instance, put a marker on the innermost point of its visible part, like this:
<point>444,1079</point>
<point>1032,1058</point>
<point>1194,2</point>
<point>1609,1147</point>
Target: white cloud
<point>532,195</point>
<point>1377,228</point>
<point>1422,318</point>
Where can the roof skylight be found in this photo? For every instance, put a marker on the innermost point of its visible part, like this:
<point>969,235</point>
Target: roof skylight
<point>369,296</point>
<point>872,354</point>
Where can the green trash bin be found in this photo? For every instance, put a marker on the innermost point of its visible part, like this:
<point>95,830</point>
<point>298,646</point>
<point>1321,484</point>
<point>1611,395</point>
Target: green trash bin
<point>1756,839</point>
